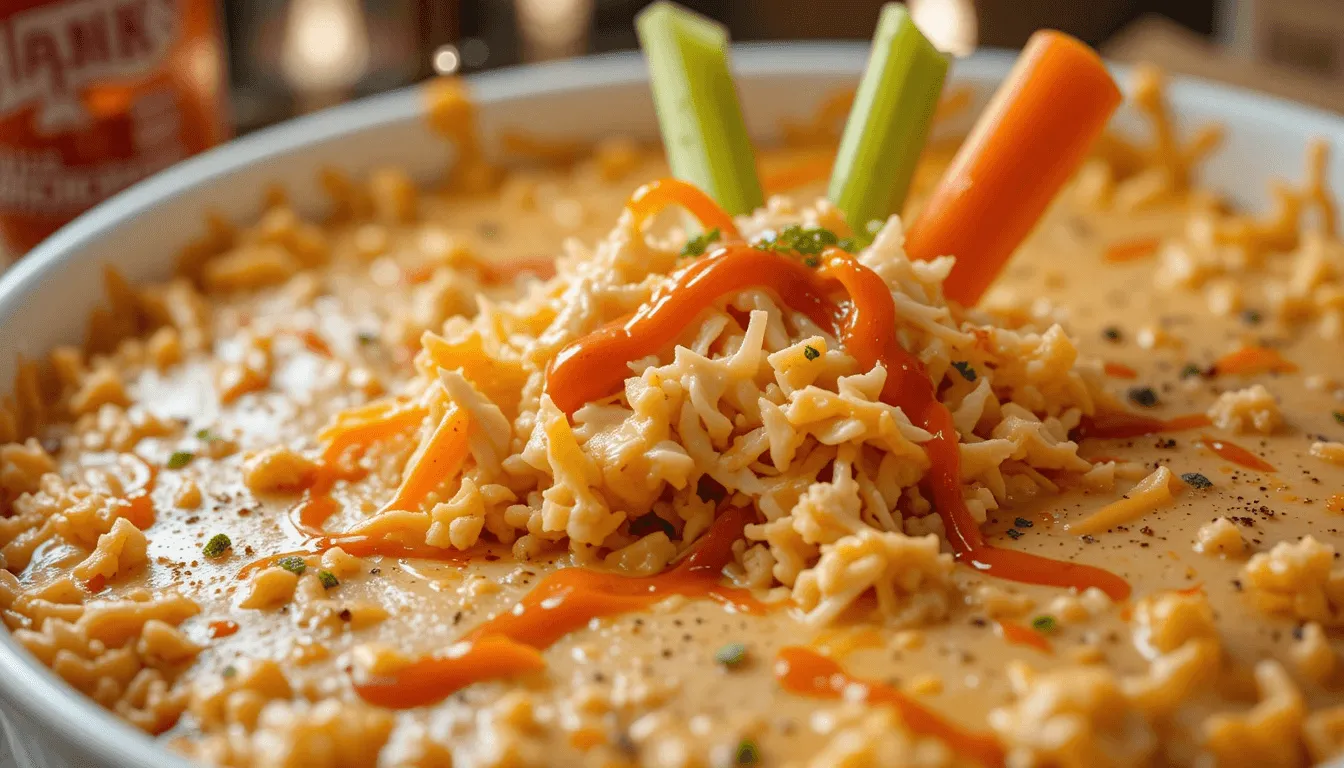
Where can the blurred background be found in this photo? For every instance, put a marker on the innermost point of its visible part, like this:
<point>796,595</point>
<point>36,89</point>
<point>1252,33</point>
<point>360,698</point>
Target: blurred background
<point>286,57</point>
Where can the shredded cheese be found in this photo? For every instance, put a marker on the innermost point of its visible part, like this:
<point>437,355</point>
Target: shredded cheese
<point>500,380</point>
<point>1149,494</point>
<point>367,424</point>
<point>438,458</point>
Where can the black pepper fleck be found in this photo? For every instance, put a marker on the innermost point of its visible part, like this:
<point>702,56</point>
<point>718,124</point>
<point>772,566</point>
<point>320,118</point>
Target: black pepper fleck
<point>1144,397</point>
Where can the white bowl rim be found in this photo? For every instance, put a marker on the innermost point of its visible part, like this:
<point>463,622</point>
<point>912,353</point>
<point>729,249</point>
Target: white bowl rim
<point>80,724</point>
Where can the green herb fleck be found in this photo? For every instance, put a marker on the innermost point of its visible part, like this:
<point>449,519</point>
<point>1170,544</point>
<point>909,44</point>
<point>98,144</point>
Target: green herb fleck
<point>696,246</point>
<point>1339,416</point>
<point>1044,623</point>
<point>731,655</point>
<point>294,564</point>
<point>965,369</point>
<point>367,337</point>
<point>205,435</point>
<point>1251,317</point>
<point>1196,480</point>
<point>1190,370</point>
<point>229,671</point>
<point>180,459</point>
<point>1143,396</point>
<point>747,753</point>
<point>328,579</point>
<point>1014,534</point>
<point>810,241</point>
<point>810,352</point>
<point>1111,333</point>
<point>1023,522</point>
<point>217,546</point>
<point>812,262</point>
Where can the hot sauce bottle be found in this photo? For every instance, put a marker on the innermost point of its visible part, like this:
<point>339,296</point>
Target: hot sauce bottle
<point>96,95</point>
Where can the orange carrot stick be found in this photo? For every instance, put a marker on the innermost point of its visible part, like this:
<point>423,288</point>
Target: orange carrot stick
<point>1032,137</point>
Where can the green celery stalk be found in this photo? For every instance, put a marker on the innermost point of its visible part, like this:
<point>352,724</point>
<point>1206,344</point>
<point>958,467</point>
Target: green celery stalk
<point>698,111</point>
<point>888,124</point>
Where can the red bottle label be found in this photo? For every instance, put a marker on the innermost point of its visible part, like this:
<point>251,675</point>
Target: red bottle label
<point>96,95</point>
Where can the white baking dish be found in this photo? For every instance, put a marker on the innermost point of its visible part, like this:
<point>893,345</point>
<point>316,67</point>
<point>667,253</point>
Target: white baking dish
<point>45,299</point>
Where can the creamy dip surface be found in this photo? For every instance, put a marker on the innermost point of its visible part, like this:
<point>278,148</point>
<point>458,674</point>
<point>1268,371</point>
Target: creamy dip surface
<point>163,490</point>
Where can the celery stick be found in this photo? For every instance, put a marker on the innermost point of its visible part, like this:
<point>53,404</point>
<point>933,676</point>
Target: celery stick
<point>698,111</point>
<point>888,124</point>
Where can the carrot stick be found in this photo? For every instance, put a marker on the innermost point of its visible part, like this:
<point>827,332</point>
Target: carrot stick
<point>1032,137</point>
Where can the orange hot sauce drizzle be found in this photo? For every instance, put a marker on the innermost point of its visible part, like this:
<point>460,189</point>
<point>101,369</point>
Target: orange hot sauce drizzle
<point>1248,361</point>
<point>432,679</point>
<point>653,197</point>
<point>349,434</point>
<point>593,368</point>
<point>318,506</point>
<point>1119,371</point>
<point>1235,453</point>
<point>807,673</point>
<point>1132,250</point>
<point>510,644</point>
<point>1191,590</point>
<point>1123,424</point>
<point>360,428</point>
<point>369,424</point>
<point>1016,634</point>
<point>138,491</point>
